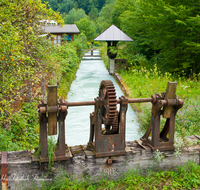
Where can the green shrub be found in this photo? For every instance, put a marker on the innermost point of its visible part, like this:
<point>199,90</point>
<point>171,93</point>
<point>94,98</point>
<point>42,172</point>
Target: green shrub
<point>23,133</point>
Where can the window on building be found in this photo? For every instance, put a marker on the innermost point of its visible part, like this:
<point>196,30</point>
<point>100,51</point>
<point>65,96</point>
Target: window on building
<point>57,40</point>
<point>67,37</point>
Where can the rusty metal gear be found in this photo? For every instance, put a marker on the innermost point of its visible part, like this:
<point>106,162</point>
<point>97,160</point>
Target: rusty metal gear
<point>115,125</point>
<point>107,93</point>
<point>114,128</point>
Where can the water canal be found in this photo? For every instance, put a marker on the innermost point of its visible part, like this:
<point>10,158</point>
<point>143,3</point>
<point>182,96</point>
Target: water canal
<point>85,88</point>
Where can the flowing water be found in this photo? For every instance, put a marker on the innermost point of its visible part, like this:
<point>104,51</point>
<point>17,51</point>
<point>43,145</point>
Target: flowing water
<point>85,88</point>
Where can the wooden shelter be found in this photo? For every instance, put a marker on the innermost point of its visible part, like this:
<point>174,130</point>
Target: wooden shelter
<point>112,36</point>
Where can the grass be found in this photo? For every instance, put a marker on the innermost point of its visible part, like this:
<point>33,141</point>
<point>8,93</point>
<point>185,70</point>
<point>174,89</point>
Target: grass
<point>185,177</point>
<point>143,83</point>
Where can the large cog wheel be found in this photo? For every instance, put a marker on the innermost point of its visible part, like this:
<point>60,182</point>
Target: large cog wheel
<point>107,93</point>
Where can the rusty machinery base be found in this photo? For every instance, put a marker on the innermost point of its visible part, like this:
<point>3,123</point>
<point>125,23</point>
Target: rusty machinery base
<point>107,144</point>
<point>111,140</point>
<point>167,106</point>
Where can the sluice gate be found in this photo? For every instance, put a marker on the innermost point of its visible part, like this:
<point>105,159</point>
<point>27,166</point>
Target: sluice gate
<point>107,124</point>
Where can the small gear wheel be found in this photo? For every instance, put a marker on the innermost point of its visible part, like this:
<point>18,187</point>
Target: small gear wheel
<point>107,93</point>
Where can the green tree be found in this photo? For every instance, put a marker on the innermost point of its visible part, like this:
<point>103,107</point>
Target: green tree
<point>104,19</point>
<point>52,3</point>
<point>74,16</point>
<point>93,13</point>
<point>87,27</point>
<point>168,28</point>
<point>119,7</point>
<point>65,6</point>
<point>84,4</point>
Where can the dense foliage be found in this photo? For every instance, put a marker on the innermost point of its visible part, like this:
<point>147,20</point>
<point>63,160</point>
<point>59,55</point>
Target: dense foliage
<point>22,62</point>
<point>74,15</point>
<point>64,6</point>
<point>165,32</point>
<point>87,27</point>
<point>28,62</point>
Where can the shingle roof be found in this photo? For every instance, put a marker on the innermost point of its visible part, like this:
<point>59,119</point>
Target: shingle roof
<point>112,34</point>
<point>68,28</point>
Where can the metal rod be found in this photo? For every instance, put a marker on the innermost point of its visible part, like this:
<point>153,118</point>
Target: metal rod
<point>136,100</point>
<point>79,103</point>
<point>88,103</point>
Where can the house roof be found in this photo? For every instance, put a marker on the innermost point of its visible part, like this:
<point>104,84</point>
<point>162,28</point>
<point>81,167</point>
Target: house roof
<point>68,28</point>
<point>112,34</point>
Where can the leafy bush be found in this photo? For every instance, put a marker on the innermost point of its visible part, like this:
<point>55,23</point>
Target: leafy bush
<point>23,130</point>
<point>23,133</point>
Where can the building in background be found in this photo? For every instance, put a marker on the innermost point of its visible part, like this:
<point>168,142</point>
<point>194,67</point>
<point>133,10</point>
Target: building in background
<point>58,34</point>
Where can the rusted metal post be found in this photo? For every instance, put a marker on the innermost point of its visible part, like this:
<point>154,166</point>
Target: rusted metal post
<point>4,159</point>
<point>91,127</point>
<point>98,144</point>
<point>163,140</point>
<point>53,110</point>
<point>170,94</point>
<point>52,116</point>
<point>43,136</point>
<point>122,120</point>
<point>60,154</point>
<point>62,135</point>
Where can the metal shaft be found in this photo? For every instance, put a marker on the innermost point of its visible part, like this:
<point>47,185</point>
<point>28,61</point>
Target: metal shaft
<point>136,100</point>
<point>88,103</point>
